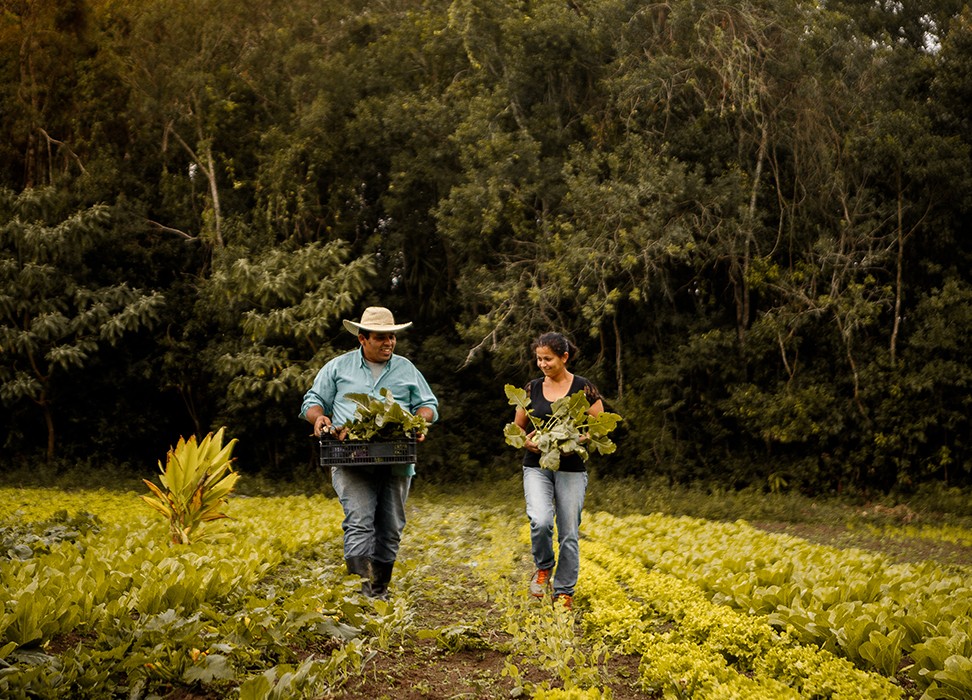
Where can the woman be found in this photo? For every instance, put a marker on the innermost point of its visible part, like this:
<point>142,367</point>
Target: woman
<point>554,496</point>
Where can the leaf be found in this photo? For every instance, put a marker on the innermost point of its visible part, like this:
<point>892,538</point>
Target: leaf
<point>514,435</point>
<point>550,460</point>
<point>517,397</point>
<point>212,667</point>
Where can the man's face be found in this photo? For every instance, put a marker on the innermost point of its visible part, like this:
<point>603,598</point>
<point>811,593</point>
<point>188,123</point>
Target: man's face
<point>377,347</point>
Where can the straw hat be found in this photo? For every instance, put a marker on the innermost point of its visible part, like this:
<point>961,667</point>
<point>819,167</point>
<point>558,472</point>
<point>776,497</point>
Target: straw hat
<point>377,319</point>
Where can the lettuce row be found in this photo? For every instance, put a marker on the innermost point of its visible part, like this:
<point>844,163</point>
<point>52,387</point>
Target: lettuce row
<point>692,647</point>
<point>852,603</point>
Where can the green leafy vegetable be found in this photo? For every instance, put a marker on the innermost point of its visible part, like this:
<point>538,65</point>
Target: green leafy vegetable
<point>569,429</point>
<point>377,419</point>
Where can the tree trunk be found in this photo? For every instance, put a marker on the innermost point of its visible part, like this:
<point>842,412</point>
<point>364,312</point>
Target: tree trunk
<point>49,420</point>
<point>617,356</point>
<point>899,283</point>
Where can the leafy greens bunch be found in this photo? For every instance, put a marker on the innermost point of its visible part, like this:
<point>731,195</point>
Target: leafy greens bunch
<point>382,418</point>
<point>570,428</point>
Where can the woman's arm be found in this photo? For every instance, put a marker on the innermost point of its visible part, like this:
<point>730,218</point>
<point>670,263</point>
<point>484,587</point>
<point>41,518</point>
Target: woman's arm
<point>521,419</point>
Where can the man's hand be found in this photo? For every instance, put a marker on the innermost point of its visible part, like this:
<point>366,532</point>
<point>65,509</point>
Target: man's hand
<point>322,424</point>
<point>426,413</point>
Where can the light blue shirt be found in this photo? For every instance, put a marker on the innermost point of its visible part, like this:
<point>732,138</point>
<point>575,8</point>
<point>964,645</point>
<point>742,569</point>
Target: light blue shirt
<point>350,374</point>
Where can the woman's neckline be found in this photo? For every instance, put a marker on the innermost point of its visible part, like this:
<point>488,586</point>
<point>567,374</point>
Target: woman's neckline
<point>555,387</point>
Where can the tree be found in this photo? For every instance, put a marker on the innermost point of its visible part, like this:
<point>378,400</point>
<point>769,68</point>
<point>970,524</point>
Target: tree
<point>186,71</point>
<point>55,312</point>
<point>276,314</point>
<point>41,42</point>
<point>534,75</point>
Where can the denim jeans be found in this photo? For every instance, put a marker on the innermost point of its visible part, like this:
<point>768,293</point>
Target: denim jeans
<point>555,496</point>
<point>374,510</point>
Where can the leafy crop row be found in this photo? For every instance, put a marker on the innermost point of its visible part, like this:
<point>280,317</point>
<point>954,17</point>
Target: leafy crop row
<point>852,603</point>
<point>127,611</point>
<point>692,647</point>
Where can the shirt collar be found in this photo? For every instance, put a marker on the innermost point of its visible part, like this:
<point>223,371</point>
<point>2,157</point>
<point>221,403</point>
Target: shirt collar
<point>362,362</point>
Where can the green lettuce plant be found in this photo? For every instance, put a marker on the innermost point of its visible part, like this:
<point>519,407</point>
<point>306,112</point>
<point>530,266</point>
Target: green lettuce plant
<point>196,480</point>
<point>568,429</point>
<point>384,418</point>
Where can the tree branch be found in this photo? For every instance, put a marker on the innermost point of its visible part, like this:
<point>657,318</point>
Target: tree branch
<point>169,229</point>
<point>61,144</point>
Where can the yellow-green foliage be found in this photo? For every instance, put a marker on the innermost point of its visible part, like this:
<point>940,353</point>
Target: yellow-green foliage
<point>692,647</point>
<point>856,606</point>
<point>37,504</point>
<point>715,611</point>
<point>123,563</point>
<point>951,534</point>
<point>572,694</point>
<point>197,478</point>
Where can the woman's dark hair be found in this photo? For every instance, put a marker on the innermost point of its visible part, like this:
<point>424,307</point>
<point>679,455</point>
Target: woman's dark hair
<point>556,342</point>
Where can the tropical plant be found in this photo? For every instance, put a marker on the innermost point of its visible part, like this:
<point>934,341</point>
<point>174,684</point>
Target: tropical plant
<point>197,478</point>
<point>569,428</point>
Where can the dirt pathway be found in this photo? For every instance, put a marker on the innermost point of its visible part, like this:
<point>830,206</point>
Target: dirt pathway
<point>456,644</point>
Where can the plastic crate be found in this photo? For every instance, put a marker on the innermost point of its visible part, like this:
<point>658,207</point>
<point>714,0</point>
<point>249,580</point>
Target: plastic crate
<point>344,453</point>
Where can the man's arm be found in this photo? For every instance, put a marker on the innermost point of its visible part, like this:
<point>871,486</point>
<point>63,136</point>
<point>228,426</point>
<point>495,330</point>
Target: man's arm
<point>315,416</point>
<point>316,402</point>
<point>422,401</point>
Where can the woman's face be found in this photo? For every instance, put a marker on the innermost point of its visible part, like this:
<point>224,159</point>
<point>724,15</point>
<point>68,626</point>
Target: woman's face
<point>549,362</point>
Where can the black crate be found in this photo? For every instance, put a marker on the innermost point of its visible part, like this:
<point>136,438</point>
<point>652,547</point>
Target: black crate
<point>343,453</point>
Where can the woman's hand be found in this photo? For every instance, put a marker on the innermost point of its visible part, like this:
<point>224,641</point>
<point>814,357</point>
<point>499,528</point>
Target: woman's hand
<point>530,444</point>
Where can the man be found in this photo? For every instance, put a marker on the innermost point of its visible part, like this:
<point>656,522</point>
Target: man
<point>373,496</point>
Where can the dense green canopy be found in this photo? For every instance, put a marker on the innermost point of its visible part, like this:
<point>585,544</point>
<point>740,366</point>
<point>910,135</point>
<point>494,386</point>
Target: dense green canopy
<point>751,217</point>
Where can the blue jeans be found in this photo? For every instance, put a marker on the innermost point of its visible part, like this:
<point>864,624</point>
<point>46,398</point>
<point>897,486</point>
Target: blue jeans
<point>374,510</point>
<point>553,495</point>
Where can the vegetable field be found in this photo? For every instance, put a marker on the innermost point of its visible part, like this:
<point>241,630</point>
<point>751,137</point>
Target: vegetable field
<point>98,604</point>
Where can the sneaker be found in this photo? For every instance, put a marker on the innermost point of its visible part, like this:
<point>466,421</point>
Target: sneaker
<point>564,599</point>
<point>539,582</point>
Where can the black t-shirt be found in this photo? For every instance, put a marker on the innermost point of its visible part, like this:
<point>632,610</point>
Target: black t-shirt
<point>541,408</point>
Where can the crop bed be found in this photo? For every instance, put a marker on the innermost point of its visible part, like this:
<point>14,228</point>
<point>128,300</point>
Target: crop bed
<point>97,604</point>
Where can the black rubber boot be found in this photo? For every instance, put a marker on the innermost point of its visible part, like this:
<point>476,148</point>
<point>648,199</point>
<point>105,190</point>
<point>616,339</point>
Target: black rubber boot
<point>382,576</point>
<point>362,566</point>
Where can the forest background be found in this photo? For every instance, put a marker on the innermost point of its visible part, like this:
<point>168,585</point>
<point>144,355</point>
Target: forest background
<point>752,217</point>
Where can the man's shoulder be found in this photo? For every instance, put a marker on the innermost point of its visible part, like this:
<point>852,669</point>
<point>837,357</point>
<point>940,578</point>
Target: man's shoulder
<point>403,367</point>
<point>344,357</point>
<point>401,360</point>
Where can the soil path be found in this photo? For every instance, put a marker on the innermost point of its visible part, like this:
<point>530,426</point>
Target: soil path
<point>457,644</point>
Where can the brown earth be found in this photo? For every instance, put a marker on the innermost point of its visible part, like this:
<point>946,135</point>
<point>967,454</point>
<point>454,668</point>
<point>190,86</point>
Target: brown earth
<point>469,664</point>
